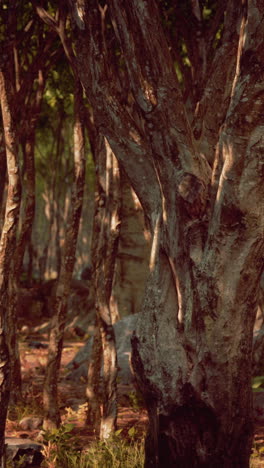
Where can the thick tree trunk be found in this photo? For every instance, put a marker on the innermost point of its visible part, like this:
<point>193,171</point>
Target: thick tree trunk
<point>199,399</point>
<point>133,253</point>
<point>193,344</point>
<point>7,245</point>
<point>50,393</point>
<point>196,417</point>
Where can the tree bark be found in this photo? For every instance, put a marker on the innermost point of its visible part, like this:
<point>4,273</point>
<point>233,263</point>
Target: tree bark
<point>7,245</point>
<point>193,343</point>
<point>2,188</point>
<point>106,237</point>
<point>93,395</point>
<point>50,392</point>
<point>2,180</point>
<point>24,238</point>
<point>133,253</point>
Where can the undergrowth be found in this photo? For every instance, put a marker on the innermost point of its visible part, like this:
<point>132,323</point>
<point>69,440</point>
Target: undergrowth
<point>61,450</point>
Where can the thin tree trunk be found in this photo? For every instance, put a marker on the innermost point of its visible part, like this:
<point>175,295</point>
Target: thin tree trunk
<point>93,395</point>
<point>50,393</point>
<point>106,237</point>
<point>28,146</point>
<point>93,381</point>
<point>2,181</point>
<point>104,276</point>
<point>52,198</point>
<point>7,245</point>
<point>2,187</point>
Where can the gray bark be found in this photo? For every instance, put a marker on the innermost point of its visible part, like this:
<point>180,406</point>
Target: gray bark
<point>193,344</point>
<point>133,253</point>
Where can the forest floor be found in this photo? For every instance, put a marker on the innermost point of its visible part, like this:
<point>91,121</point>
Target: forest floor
<point>72,398</point>
<point>131,414</point>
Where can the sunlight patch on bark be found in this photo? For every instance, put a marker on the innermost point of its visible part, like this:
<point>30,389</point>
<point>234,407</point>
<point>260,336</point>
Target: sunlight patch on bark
<point>155,244</point>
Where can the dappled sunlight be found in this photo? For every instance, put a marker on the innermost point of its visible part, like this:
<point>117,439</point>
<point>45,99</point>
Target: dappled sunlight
<point>155,243</point>
<point>228,161</point>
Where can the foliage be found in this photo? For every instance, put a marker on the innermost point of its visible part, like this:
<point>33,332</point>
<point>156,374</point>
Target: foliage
<point>116,452</point>
<point>22,410</point>
<point>17,463</point>
<point>57,443</point>
<point>136,400</point>
<point>257,457</point>
<point>80,414</point>
<point>258,383</point>
<point>61,450</point>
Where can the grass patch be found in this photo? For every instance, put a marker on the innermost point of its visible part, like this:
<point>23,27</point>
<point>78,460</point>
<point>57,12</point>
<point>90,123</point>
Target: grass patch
<point>61,451</point>
<point>257,457</point>
<point>21,410</point>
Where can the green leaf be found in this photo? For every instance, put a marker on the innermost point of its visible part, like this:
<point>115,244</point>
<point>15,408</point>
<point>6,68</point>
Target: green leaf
<point>132,431</point>
<point>68,427</point>
<point>257,381</point>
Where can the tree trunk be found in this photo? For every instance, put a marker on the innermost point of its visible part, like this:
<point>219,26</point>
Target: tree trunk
<point>28,145</point>
<point>2,182</point>
<point>193,344</point>
<point>50,393</point>
<point>133,253</point>
<point>7,245</point>
<point>106,237</point>
<point>93,395</point>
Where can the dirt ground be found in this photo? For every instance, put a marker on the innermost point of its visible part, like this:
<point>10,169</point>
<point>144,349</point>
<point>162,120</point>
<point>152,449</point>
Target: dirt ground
<point>71,395</point>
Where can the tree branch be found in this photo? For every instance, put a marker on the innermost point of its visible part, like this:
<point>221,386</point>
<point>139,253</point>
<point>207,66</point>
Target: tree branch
<point>111,117</point>
<point>216,94</point>
<point>47,18</point>
<point>154,83</point>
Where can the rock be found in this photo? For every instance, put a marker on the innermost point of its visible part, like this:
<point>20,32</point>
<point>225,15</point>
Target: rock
<point>123,331</point>
<point>30,423</point>
<point>26,448</point>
